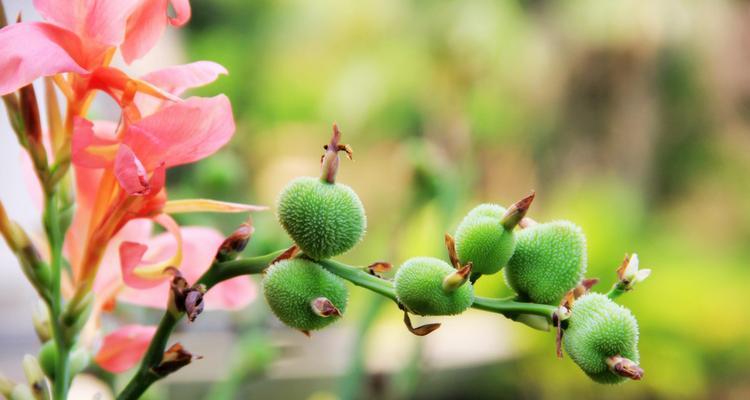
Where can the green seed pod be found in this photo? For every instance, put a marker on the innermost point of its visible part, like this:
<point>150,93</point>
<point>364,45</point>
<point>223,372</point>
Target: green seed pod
<point>602,338</point>
<point>482,239</point>
<point>420,288</point>
<point>324,219</point>
<point>550,260</point>
<point>304,295</point>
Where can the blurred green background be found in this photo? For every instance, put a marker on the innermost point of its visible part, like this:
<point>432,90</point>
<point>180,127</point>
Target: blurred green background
<point>630,118</point>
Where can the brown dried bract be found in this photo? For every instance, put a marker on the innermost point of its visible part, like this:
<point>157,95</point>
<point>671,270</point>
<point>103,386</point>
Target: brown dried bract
<point>287,254</point>
<point>450,244</point>
<point>420,330</point>
<point>174,358</point>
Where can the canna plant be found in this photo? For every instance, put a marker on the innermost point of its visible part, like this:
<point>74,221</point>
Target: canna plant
<point>102,189</point>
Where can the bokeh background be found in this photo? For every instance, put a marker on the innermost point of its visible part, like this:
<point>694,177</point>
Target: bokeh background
<point>630,118</point>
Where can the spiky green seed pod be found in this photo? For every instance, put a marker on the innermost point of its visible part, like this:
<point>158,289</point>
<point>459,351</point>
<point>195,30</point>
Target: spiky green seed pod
<point>324,219</point>
<point>304,295</point>
<point>549,260</point>
<point>419,287</point>
<point>600,330</point>
<point>482,240</point>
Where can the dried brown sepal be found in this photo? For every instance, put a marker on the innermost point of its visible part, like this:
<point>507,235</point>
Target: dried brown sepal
<point>236,242</point>
<point>174,358</point>
<point>450,244</point>
<point>624,367</point>
<point>517,211</point>
<point>621,269</point>
<point>379,267</point>
<point>287,254</point>
<point>323,307</point>
<point>330,159</point>
<point>557,322</point>
<point>457,278</point>
<point>584,287</point>
<point>183,297</point>
<point>423,330</point>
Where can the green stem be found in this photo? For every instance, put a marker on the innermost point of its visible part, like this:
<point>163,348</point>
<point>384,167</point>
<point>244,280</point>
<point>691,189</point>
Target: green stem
<point>616,291</point>
<point>219,272</point>
<point>54,236</point>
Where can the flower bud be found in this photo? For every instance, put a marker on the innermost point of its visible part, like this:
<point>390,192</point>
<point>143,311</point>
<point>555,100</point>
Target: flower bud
<point>40,320</point>
<point>303,295</point>
<point>35,377</point>
<point>419,287</point>
<point>235,243</point>
<point>602,338</point>
<point>6,385</point>
<point>549,261</point>
<point>76,314</point>
<point>629,274</point>
<point>22,392</point>
<point>184,298</point>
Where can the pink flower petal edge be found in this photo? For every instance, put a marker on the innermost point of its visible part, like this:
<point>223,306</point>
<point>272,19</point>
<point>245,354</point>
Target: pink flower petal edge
<point>123,348</point>
<point>35,49</point>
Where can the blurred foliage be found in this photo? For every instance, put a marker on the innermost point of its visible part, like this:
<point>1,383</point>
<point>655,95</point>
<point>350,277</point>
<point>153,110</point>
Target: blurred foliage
<point>629,118</point>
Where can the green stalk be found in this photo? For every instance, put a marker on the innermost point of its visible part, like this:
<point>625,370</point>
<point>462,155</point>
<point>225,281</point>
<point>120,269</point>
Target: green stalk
<point>55,238</point>
<point>221,271</point>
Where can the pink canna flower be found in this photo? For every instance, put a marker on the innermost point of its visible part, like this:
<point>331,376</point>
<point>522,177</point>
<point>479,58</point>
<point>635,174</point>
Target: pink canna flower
<point>80,37</point>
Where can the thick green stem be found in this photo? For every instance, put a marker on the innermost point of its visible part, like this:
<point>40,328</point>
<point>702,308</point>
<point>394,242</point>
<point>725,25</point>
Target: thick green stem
<point>55,238</point>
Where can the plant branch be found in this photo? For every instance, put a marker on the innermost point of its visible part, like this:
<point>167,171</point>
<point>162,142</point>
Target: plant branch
<point>221,271</point>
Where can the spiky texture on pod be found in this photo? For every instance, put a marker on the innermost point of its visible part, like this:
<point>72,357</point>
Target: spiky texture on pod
<point>600,328</point>
<point>482,239</point>
<point>324,219</point>
<point>419,287</point>
<point>549,260</point>
<point>291,285</point>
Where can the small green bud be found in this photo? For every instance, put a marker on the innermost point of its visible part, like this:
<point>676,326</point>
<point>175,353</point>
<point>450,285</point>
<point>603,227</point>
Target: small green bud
<point>304,295</point>
<point>324,219</point>
<point>48,358</point>
<point>602,338</point>
<point>549,261</point>
<point>419,287</point>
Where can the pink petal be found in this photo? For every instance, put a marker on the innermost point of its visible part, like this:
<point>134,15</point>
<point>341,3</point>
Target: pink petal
<point>144,28</point>
<point>100,21</point>
<point>182,132</point>
<point>130,172</point>
<point>87,134</point>
<point>135,230</point>
<point>34,49</point>
<point>124,347</point>
<point>131,254</point>
<point>199,248</point>
<point>182,11</point>
<point>179,78</point>
<point>234,294</point>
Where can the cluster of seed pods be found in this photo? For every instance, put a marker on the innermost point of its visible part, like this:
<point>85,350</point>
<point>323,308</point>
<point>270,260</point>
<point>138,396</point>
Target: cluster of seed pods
<point>543,263</point>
